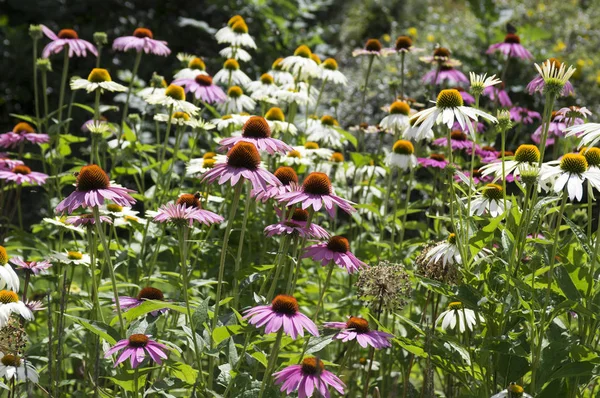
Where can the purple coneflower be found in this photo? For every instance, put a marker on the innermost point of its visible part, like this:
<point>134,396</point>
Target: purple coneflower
<point>523,115</point>
<point>69,38</point>
<point>489,153</point>
<point>288,178</point>
<point>538,83</point>
<point>573,115</point>
<point>34,267</point>
<point>441,56</point>
<point>256,131</point>
<point>511,47</point>
<point>316,191</point>
<point>446,73</point>
<point>92,188</point>
<point>142,40</point>
<point>9,164</point>
<point>437,160</point>
<point>23,174</point>
<point>297,224</point>
<point>20,133</point>
<point>86,219</point>
<point>556,128</point>
<point>372,47</point>
<point>308,377</point>
<point>478,177</point>
<point>187,209</point>
<point>202,88</point>
<point>283,312</point>
<point>243,163</point>
<point>358,329</point>
<point>498,93</point>
<point>458,140</point>
<point>136,347</point>
<point>147,293</point>
<point>404,44</point>
<point>337,249</point>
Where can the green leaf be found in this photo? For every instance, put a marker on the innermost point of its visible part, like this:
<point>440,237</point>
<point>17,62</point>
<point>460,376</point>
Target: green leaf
<point>146,307</point>
<point>27,118</point>
<point>224,332</point>
<point>349,137</point>
<point>566,284</point>
<point>184,372</point>
<point>260,357</point>
<point>85,107</point>
<point>200,315</point>
<point>98,328</point>
<point>573,369</point>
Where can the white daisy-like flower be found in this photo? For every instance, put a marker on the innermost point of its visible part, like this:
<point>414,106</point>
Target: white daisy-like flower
<point>59,221</point>
<point>571,172</point>
<point>335,168</point>
<point>174,96</point>
<point>295,158</point>
<point>183,119</point>
<point>415,133</point>
<point>313,151</point>
<point>10,304</point>
<point>276,120</point>
<point>490,201</point>
<point>203,164</point>
<point>525,155</point>
<point>196,66</point>
<point>554,77</point>
<point>324,131</point>
<point>281,76</point>
<point>365,172</point>
<point>481,82</point>
<point>226,30</point>
<point>264,87</point>
<point>225,121</point>
<point>447,252</point>
<point>301,65</point>
<point>237,36</point>
<point>98,79</point>
<point>236,53</point>
<point>589,133</point>
<point>512,391</point>
<point>8,278</point>
<point>398,118</point>
<point>237,101</point>
<point>184,58</point>
<point>457,314</point>
<point>449,109</point>
<point>145,92</point>
<point>231,74</point>
<point>99,127</point>
<point>73,257</point>
<point>13,366</point>
<point>402,155</point>
<point>330,72</point>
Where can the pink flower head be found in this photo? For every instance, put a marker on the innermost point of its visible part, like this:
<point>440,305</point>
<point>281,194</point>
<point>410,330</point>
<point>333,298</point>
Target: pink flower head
<point>34,267</point>
<point>136,347</point>
<point>142,40</point>
<point>187,209</point>
<point>203,88</point>
<point>256,130</point>
<point>93,187</point>
<point>283,312</point>
<point>86,219</point>
<point>486,152</point>
<point>372,47</point>
<point>288,179</point>
<point>316,191</point>
<point>307,377</point>
<point>337,249</point>
<point>297,224</point>
<point>573,114</point>
<point>243,162</point>
<point>358,329</point>
<point>556,128</point>
<point>22,174</point>
<point>9,164</point>
<point>498,93</point>
<point>147,293</point>
<point>465,128</point>
<point>437,160</point>
<point>21,133</point>
<point>511,47</point>
<point>35,305</point>
<point>68,38</point>
<point>446,73</point>
<point>458,140</point>
<point>523,115</point>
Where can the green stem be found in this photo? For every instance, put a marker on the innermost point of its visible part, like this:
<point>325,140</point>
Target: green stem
<point>35,84</point>
<point>411,176</point>
<point>324,290</point>
<point>272,361</point>
<point>279,266</point>
<point>320,95</point>
<point>238,258</point>
<point>63,82</point>
<point>136,65</point>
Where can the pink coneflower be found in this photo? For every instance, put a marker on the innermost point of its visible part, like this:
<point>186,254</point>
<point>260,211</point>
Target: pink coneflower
<point>297,225</point>
<point>86,219</point>
<point>147,293</point>
<point>9,164</point>
<point>21,133</point>
<point>69,38</point>
<point>23,174</point>
<point>34,267</point>
<point>556,128</point>
<point>256,130</point>
<point>403,44</point>
<point>187,209</point>
<point>35,305</point>
<point>477,177</point>
<point>337,249</point>
<point>489,153</point>
<point>92,188</point>
<point>356,328</point>
<point>440,56</point>
<point>202,88</point>
<point>497,93</point>
<point>372,47</point>
<point>316,191</point>
<point>288,178</point>
<point>136,347</point>
<point>308,377</point>
<point>446,73</point>
<point>243,162</point>
<point>142,40</point>
<point>467,98</point>
<point>437,160</point>
<point>573,115</point>
<point>538,83</point>
<point>458,140</point>
<point>480,127</point>
<point>511,47</point>
<point>523,115</point>
<point>283,312</point>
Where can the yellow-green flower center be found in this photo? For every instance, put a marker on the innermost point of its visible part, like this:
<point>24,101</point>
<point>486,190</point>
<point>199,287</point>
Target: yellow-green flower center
<point>275,114</point>
<point>114,208</point>
<point>234,19</point>
<point>3,255</point>
<point>330,64</point>
<point>99,75</point>
<point>452,238</point>
<point>399,107</point>
<point>176,92</point>
<point>527,153</point>
<point>337,157</point>
<point>181,116</point>
<point>74,255</point>
<point>197,63</point>
<point>315,58</point>
<point>266,78</point>
<point>493,192</point>
<point>8,296</point>
<point>592,155</point>
<point>277,64</point>
<point>328,121</point>
<point>311,145</point>
<point>235,92</point>
<point>231,65</point>
<point>449,98</point>
<point>573,163</point>
<point>294,154</point>
<point>303,51</point>
<point>240,27</point>
<point>403,147</point>
<point>455,305</point>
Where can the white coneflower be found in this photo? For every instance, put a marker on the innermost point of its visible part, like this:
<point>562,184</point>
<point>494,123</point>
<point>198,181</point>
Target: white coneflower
<point>226,121</point>
<point>588,132</point>
<point>264,88</point>
<point>490,200</point>
<point>98,79</point>
<point>237,36</point>
<point>99,127</point>
<point>183,119</point>
<point>402,155</point>
<point>295,158</point>
<point>312,150</point>
<point>174,96</point>
<point>449,109</point>
<point>571,172</point>
<point>231,74</point>
<point>525,154</point>
<point>447,252</point>
<point>195,67</point>
<point>325,131</point>
<point>301,64</point>
<point>398,118</point>
<point>236,53</point>
<point>330,72</point>
<point>554,77</point>
<point>512,391</point>
<point>10,304</point>
<point>277,123</point>
<point>237,101</point>
<point>13,366</point>
<point>457,314</point>
<point>73,257</point>
<point>281,76</point>
<point>481,82</point>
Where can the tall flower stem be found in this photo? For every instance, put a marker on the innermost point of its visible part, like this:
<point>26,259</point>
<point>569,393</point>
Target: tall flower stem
<point>280,265</point>
<point>364,98</point>
<point>386,207</point>
<point>395,211</point>
<point>108,259</point>
<point>549,104</point>
<point>234,204</point>
<point>136,66</point>
<point>35,83</point>
<point>238,257</point>
<point>44,74</point>
<point>169,176</point>
<point>92,246</point>
<point>94,155</point>
<point>63,83</point>
<point>372,354</point>
<point>409,187</point>
<point>324,290</point>
<point>402,55</point>
<point>311,213</point>
<point>183,239</point>
<point>272,361</point>
<point>319,97</point>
